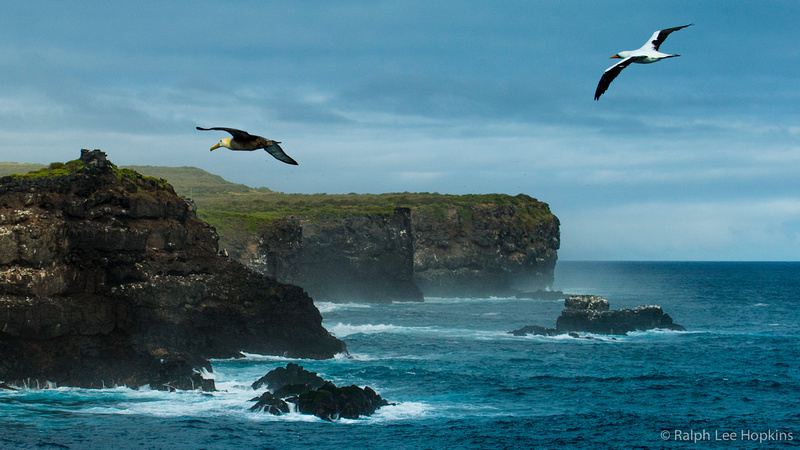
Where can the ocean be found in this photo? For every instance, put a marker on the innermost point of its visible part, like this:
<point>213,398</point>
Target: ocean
<point>460,380</point>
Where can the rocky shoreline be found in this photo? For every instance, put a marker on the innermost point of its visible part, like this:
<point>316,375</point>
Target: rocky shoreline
<point>109,278</point>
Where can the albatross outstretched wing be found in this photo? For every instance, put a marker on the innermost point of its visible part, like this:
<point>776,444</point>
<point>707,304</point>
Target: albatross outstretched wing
<point>276,151</point>
<point>611,73</point>
<point>238,135</point>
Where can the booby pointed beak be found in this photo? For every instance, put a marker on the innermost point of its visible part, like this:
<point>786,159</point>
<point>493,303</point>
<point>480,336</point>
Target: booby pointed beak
<point>215,147</point>
<point>615,57</point>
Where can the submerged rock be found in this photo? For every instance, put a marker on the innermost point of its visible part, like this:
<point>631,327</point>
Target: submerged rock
<point>303,389</point>
<point>109,278</point>
<point>269,403</point>
<point>535,330</point>
<point>591,314</point>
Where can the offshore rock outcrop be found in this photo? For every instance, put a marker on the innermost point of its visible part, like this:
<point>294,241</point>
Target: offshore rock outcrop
<point>310,394</point>
<point>591,314</point>
<point>109,278</point>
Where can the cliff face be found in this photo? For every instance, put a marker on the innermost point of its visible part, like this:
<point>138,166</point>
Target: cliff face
<point>485,249</point>
<point>355,258</point>
<point>473,248</point>
<point>108,277</point>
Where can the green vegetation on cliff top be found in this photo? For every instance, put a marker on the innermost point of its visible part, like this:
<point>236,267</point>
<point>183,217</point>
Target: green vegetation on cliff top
<point>236,209</point>
<point>59,169</point>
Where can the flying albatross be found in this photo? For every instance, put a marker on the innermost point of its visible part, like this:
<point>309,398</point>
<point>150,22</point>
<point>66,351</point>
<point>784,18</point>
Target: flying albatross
<point>245,141</point>
<point>647,54</point>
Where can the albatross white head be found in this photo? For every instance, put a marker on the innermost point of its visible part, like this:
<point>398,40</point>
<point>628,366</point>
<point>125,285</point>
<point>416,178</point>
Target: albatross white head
<point>222,143</point>
<point>621,55</point>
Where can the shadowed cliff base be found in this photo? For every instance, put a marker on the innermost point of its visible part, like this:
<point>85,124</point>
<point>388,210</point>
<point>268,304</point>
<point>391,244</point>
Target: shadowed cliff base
<point>107,277</point>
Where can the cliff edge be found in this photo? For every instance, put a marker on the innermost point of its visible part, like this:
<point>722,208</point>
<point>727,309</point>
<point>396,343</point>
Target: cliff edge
<point>497,245</point>
<point>107,278</point>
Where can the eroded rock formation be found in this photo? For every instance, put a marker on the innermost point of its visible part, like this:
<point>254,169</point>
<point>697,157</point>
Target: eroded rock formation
<point>108,278</point>
<point>591,314</point>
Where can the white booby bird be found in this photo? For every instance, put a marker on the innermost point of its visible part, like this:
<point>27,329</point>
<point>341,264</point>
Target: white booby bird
<point>647,54</point>
<point>245,141</point>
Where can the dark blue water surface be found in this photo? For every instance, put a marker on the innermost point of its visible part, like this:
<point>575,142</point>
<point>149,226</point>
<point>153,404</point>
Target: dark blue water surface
<point>460,380</point>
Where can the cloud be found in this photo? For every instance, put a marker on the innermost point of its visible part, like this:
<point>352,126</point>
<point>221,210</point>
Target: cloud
<point>451,97</point>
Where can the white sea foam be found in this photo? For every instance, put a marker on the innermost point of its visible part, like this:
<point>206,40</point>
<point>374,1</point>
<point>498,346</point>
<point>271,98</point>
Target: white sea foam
<point>249,357</point>
<point>659,332</point>
<point>326,307</point>
<point>402,411</point>
<point>341,330</point>
<point>447,300</point>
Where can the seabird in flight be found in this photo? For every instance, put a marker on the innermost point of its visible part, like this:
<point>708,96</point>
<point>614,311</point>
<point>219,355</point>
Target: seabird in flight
<point>245,141</point>
<point>647,54</point>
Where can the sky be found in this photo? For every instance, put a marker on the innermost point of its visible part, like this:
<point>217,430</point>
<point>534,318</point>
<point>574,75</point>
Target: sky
<point>691,158</point>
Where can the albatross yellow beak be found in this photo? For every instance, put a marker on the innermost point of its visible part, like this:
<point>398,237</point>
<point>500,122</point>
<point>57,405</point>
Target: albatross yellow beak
<point>215,147</point>
<point>615,57</point>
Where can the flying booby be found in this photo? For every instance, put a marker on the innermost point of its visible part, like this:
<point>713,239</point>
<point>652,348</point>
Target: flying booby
<point>647,54</point>
<point>245,141</point>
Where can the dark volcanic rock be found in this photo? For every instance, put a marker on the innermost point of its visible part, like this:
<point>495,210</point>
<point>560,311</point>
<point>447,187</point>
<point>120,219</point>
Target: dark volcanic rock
<point>485,249</point>
<point>291,375</point>
<point>108,277</point>
<point>313,395</point>
<point>454,246</point>
<point>365,257</point>
<point>330,402</point>
<point>535,330</point>
<point>270,403</point>
<point>591,314</point>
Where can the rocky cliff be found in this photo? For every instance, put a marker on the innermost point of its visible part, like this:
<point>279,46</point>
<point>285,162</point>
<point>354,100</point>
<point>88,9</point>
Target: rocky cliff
<point>354,258</point>
<point>363,247</point>
<point>449,246</point>
<point>108,277</point>
<point>486,248</point>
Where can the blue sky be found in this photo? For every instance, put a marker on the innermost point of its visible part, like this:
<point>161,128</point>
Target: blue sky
<point>692,158</point>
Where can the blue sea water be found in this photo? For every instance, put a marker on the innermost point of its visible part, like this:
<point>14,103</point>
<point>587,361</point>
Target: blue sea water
<point>459,380</point>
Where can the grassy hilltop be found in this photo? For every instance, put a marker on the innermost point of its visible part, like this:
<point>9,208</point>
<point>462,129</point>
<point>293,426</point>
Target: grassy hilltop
<point>237,210</point>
